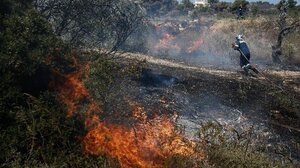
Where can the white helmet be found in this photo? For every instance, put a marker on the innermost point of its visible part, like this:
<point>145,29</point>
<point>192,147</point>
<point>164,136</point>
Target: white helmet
<point>239,37</point>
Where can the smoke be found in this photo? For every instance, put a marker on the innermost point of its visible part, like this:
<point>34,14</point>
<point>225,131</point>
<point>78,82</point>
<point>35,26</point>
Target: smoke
<point>188,41</point>
<point>207,43</point>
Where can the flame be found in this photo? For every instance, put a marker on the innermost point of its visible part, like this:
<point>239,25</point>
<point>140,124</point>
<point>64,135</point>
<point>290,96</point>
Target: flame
<point>71,90</point>
<point>196,44</point>
<point>167,42</point>
<point>148,143</point>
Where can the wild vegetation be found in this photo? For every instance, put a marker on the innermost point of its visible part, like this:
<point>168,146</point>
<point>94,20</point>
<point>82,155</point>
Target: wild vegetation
<point>34,38</point>
<point>64,77</point>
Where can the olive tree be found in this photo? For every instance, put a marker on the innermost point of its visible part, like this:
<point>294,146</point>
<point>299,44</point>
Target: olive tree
<point>286,26</point>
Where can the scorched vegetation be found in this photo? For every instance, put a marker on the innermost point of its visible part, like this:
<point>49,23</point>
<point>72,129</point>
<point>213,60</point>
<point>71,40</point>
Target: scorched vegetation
<point>147,83</point>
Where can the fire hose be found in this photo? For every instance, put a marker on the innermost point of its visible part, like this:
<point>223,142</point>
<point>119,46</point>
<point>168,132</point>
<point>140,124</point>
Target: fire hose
<point>259,72</point>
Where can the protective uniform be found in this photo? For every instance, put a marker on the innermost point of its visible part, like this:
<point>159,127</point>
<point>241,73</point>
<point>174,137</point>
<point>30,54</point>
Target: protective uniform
<point>240,12</point>
<point>242,47</point>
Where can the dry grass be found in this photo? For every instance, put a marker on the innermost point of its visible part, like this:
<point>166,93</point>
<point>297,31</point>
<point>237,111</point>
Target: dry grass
<point>260,33</point>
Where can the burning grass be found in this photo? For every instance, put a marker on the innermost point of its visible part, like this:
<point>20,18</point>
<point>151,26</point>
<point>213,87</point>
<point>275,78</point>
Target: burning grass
<point>210,43</point>
<point>148,143</point>
<point>174,42</point>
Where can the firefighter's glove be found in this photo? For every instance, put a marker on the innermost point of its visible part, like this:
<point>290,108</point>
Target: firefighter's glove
<point>234,46</point>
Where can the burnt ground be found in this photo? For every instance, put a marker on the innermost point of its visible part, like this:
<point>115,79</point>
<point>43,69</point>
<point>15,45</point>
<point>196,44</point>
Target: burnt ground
<point>268,104</point>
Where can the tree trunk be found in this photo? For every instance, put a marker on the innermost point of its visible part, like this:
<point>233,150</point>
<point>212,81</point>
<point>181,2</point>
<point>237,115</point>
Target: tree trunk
<point>276,54</point>
<point>276,49</point>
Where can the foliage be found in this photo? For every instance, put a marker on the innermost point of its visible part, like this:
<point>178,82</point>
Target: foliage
<point>34,131</point>
<point>109,82</point>
<point>221,6</point>
<point>41,136</point>
<point>226,147</point>
<point>158,7</point>
<point>180,161</point>
<point>186,5</point>
<point>286,4</point>
<point>290,49</point>
<point>239,3</point>
<point>213,1</point>
<point>286,26</point>
<point>240,157</point>
<point>254,9</point>
<point>286,103</point>
<point>90,23</point>
<point>195,13</point>
<point>139,39</point>
<point>25,41</point>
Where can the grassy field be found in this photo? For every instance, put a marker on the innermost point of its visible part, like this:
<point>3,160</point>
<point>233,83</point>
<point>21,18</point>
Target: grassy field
<point>260,33</point>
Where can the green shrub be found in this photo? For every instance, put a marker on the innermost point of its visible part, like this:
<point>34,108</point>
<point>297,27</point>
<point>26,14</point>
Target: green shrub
<point>180,161</point>
<point>110,82</point>
<point>225,147</point>
<point>25,41</point>
<point>235,157</point>
<point>41,136</point>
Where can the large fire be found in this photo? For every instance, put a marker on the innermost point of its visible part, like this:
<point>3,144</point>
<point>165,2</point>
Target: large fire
<point>146,144</point>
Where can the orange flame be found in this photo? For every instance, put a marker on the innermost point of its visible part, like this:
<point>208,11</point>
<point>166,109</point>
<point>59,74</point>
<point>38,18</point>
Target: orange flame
<point>196,44</point>
<point>167,41</point>
<point>147,144</point>
<point>71,90</point>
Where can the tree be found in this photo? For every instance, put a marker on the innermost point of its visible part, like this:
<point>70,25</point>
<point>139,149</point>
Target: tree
<point>213,1</point>
<point>254,9</point>
<point>25,41</point>
<point>92,23</point>
<point>286,3</point>
<point>292,3</point>
<point>237,3</point>
<point>220,6</point>
<point>285,27</point>
<point>187,4</point>
<point>159,7</point>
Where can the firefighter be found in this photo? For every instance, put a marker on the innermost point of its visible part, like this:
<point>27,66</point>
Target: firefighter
<point>242,47</point>
<point>240,12</point>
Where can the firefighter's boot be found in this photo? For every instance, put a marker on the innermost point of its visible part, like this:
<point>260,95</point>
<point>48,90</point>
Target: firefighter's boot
<point>246,69</point>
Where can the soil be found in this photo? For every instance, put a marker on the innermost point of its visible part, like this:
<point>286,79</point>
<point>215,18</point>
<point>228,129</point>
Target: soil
<point>268,103</point>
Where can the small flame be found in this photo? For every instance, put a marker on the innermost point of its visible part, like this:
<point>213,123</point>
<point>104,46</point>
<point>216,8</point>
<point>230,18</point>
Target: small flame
<point>196,44</point>
<point>71,90</point>
<point>167,42</point>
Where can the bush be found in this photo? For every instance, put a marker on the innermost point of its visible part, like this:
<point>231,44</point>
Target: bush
<point>110,82</point>
<point>25,41</point>
<point>227,148</point>
<point>34,132</point>
<point>41,136</point>
<point>180,161</point>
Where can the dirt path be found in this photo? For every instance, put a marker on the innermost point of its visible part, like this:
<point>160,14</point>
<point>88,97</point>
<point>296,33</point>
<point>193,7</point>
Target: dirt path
<point>289,78</point>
